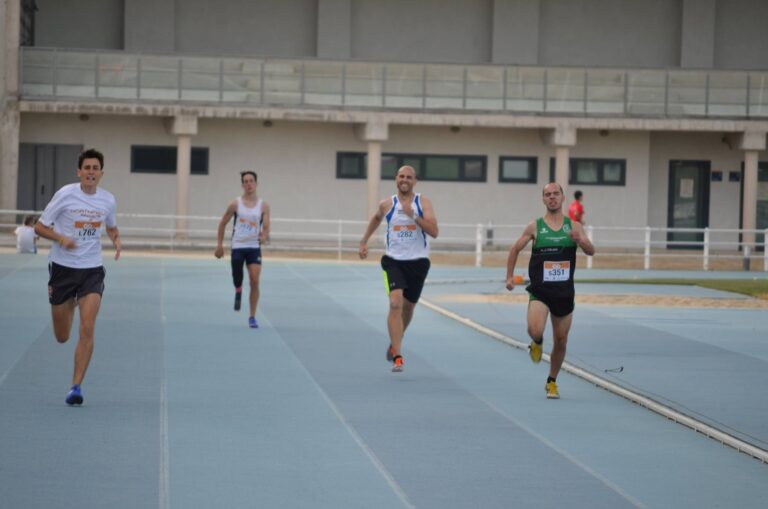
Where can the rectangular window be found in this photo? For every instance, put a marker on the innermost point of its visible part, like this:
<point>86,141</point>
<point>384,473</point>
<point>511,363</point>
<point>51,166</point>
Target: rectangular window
<point>518,169</point>
<point>353,165</point>
<point>350,165</point>
<point>442,168</point>
<point>593,172</point>
<point>162,159</point>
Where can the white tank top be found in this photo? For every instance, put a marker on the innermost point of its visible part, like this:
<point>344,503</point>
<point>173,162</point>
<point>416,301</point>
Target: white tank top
<point>405,240</point>
<point>247,226</point>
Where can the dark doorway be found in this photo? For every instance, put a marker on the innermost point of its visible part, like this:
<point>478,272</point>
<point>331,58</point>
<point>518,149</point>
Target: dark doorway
<point>44,168</point>
<point>688,202</point>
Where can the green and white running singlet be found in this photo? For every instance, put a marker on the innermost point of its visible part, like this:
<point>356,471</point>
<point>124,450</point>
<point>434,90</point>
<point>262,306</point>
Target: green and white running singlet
<point>552,265</point>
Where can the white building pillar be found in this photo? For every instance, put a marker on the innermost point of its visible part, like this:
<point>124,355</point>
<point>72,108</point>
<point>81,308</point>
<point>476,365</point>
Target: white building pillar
<point>183,171</point>
<point>183,127</point>
<point>374,132</point>
<point>9,102</point>
<point>374,175</point>
<point>562,138</point>
<point>751,143</point>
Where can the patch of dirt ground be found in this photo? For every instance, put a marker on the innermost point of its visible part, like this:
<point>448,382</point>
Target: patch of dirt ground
<point>617,300</point>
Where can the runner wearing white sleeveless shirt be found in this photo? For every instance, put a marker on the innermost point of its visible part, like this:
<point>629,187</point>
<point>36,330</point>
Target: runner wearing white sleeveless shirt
<point>247,226</point>
<point>75,219</point>
<point>404,238</point>
<point>249,231</point>
<point>410,219</point>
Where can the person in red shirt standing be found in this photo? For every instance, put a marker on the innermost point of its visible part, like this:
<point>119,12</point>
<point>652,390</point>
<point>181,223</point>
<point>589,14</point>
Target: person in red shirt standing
<point>576,209</point>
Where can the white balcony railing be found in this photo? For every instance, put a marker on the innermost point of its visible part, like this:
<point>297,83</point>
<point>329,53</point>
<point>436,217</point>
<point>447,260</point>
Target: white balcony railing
<point>48,74</point>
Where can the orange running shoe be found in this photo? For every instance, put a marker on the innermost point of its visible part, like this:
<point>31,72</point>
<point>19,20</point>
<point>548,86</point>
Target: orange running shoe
<point>398,364</point>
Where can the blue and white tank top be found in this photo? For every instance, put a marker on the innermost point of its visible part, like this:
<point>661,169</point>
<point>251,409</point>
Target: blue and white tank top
<point>405,240</point>
<point>247,226</point>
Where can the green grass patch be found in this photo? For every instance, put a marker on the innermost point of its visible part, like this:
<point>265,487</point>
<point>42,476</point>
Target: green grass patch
<point>752,287</point>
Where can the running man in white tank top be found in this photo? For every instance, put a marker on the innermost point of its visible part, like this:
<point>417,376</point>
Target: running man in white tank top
<point>74,220</point>
<point>250,230</point>
<point>410,220</point>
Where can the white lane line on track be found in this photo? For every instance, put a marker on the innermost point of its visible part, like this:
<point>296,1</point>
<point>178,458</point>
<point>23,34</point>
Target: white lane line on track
<point>164,474</point>
<point>650,404</point>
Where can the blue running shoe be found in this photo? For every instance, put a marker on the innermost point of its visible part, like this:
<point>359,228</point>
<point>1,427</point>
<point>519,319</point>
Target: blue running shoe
<point>252,323</point>
<point>74,397</point>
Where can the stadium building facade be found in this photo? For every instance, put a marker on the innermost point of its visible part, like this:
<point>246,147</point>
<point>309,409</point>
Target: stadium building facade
<point>656,109</point>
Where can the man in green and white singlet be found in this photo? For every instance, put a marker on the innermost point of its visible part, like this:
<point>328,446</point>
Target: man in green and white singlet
<point>550,270</point>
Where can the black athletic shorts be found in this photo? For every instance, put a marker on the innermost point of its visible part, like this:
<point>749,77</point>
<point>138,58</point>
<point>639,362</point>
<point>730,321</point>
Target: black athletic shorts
<point>66,283</point>
<point>249,255</point>
<point>406,275</point>
<point>558,306</point>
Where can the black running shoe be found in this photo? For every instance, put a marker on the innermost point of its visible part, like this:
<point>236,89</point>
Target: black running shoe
<point>238,296</point>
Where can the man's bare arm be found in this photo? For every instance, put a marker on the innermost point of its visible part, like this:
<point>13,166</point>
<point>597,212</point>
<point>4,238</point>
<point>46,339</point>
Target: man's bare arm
<point>528,235</point>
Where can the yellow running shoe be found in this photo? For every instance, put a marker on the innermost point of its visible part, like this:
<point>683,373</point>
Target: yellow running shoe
<point>551,389</point>
<point>534,350</point>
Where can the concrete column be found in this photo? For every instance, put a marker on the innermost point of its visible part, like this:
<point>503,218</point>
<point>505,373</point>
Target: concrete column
<point>374,175</point>
<point>183,171</point>
<point>751,143</point>
<point>749,210</point>
<point>184,127</point>
<point>374,132</point>
<point>562,138</point>
<point>562,164</point>
<point>9,102</point>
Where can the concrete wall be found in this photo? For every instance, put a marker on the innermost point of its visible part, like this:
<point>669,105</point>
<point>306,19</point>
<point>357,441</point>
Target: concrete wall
<point>285,29</point>
<point>515,31</point>
<point>620,33</point>
<point>334,29</point>
<point>729,34</point>
<point>293,158</point>
<point>724,196</point>
<point>697,46</point>
<point>2,56</point>
<point>80,23</point>
<point>423,31</point>
<point>150,25</point>
<point>741,34</point>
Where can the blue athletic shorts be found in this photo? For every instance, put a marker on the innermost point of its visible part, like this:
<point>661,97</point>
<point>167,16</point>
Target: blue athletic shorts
<point>249,255</point>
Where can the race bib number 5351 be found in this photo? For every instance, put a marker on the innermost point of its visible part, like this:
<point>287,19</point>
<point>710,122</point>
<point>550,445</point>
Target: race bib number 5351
<point>557,271</point>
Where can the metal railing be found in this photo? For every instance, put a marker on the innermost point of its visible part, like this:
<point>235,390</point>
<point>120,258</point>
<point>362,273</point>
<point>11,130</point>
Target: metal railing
<point>338,237</point>
<point>118,76</point>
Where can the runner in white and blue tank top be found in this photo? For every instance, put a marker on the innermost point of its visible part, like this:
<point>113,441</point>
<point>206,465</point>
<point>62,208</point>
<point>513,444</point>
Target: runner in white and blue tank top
<point>250,227</point>
<point>404,238</point>
<point>410,220</point>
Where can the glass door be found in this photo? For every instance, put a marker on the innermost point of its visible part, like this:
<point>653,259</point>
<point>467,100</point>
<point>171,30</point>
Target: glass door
<point>688,202</point>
